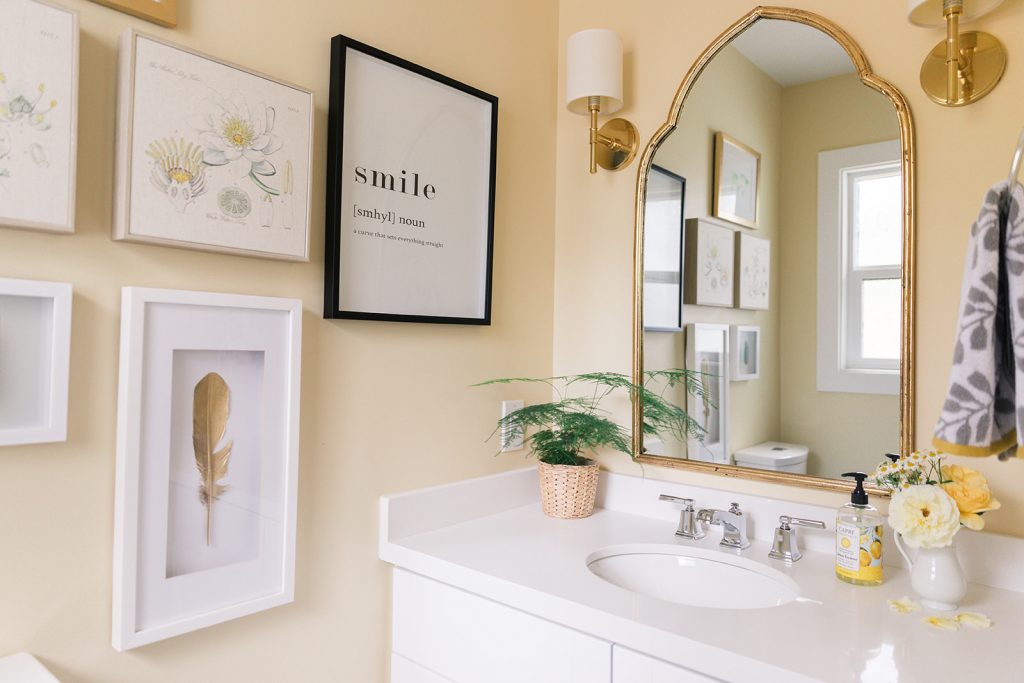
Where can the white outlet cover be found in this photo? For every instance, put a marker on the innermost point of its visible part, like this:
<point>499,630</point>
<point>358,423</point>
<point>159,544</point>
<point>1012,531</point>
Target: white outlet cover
<point>506,408</point>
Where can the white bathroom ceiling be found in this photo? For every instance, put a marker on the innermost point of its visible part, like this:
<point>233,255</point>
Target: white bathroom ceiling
<point>793,53</point>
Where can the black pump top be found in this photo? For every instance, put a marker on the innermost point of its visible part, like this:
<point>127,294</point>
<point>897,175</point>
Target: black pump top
<point>859,495</point>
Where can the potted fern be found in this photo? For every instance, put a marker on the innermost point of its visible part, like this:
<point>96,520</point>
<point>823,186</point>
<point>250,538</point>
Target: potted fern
<point>562,432</point>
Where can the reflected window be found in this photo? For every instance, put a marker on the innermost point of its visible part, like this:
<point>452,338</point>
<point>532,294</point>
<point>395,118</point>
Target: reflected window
<point>860,260</point>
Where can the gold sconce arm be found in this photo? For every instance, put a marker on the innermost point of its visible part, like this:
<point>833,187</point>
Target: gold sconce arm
<point>613,145</point>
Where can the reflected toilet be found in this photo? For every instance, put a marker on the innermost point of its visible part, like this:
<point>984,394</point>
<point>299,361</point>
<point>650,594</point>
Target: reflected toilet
<point>774,455</point>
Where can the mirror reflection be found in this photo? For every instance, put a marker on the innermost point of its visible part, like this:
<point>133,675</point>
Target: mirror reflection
<point>773,243</point>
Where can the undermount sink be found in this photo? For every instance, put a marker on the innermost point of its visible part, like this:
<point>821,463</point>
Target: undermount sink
<point>698,577</point>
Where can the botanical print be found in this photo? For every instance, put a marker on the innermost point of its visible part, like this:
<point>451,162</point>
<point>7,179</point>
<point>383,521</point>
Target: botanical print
<point>714,266</point>
<point>754,269</point>
<point>223,153</point>
<point>736,181</point>
<point>38,56</point>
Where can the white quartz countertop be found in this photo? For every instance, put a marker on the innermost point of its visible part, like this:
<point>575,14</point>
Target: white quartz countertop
<point>832,632</point>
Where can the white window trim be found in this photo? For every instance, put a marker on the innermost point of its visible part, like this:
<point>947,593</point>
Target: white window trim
<point>832,375</point>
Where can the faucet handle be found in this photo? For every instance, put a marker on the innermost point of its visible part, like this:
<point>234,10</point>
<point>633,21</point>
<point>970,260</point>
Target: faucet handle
<point>785,521</point>
<point>734,508</point>
<point>689,526</point>
<point>784,545</point>
<point>685,502</point>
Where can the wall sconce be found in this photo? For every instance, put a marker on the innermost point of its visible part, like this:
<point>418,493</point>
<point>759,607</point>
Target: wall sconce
<point>593,85</point>
<point>966,66</point>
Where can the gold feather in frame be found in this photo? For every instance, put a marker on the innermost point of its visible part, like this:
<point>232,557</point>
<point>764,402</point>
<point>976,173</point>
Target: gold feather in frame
<point>211,405</point>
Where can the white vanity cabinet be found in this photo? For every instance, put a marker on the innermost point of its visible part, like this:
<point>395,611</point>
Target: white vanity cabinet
<point>462,638</point>
<point>629,666</point>
<point>442,634</point>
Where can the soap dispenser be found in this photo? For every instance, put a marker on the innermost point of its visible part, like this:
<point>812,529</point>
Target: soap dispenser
<point>859,538</point>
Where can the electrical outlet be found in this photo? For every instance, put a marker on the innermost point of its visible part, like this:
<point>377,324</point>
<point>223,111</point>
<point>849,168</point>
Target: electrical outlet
<point>506,408</point>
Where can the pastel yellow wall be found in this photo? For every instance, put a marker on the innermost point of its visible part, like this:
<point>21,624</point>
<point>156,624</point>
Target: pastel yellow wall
<point>828,114</point>
<point>960,153</point>
<point>385,406</point>
<point>749,108</point>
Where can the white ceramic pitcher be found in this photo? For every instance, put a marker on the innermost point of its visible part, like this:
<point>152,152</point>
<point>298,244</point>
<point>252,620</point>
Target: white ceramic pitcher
<point>936,575</point>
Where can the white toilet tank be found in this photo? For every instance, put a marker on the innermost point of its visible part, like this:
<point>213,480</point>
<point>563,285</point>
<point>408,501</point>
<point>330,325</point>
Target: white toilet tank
<point>775,456</point>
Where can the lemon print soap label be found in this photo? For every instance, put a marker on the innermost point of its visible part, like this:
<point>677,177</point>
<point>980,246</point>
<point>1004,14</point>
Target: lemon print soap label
<point>859,538</point>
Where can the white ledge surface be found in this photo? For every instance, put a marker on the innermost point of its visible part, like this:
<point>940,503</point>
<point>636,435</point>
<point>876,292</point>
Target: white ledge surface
<point>488,536</point>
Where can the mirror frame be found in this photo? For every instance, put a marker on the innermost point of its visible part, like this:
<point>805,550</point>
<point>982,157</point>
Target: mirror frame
<point>907,369</point>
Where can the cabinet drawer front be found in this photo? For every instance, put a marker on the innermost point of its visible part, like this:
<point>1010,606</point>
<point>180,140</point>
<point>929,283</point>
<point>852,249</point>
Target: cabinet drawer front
<point>469,639</point>
<point>632,667</point>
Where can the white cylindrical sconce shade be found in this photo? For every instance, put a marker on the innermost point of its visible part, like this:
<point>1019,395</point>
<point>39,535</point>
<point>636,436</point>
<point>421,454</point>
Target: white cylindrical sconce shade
<point>929,12</point>
<point>593,68</point>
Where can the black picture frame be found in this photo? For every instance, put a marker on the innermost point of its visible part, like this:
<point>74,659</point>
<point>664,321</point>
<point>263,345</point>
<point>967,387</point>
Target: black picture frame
<point>334,263</point>
<point>666,277</point>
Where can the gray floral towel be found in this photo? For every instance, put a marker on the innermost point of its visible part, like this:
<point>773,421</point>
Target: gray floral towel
<point>982,414</point>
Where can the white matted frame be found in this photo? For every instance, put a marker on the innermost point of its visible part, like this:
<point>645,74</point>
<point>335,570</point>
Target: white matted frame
<point>709,264</point>
<point>210,155</point>
<point>167,580</point>
<point>707,352</point>
<point>35,336</point>
<point>745,349</point>
<point>38,115</point>
<point>753,272</point>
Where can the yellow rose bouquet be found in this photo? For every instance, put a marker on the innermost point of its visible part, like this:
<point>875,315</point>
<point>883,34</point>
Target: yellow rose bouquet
<point>931,501</point>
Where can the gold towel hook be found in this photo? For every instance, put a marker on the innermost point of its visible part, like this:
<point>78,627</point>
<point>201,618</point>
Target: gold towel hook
<point>1015,164</point>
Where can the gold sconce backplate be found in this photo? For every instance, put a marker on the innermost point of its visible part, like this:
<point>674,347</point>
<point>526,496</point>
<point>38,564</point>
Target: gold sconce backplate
<point>619,141</point>
<point>985,60</point>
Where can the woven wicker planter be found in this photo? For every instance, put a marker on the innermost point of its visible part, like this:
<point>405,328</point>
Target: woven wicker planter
<point>568,491</point>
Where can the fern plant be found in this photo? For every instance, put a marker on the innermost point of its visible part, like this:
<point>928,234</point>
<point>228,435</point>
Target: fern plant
<point>559,432</point>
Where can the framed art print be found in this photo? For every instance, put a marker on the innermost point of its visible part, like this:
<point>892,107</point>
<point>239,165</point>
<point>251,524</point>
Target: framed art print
<point>707,353</point>
<point>38,115</point>
<point>753,271</point>
<point>207,460</point>
<point>35,351</point>
<point>737,173</point>
<point>709,264</point>
<point>745,345</point>
<point>410,192</point>
<point>663,251</point>
<point>210,155</point>
<point>162,12</point>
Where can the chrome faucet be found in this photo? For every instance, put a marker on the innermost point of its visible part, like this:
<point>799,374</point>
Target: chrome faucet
<point>733,523</point>
<point>688,526</point>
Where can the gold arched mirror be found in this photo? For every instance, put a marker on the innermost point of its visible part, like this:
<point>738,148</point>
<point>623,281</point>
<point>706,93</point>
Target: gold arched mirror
<point>774,256</point>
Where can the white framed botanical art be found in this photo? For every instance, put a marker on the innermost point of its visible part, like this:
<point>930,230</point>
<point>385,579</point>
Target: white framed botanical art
<point>709,264</point>
<point>745,349</point>
<point>707,353</point>
<point>207,460</point>
<point>38,115</point>
<point>753,271</point>
<point>210,155</point>
<point>35,357</point>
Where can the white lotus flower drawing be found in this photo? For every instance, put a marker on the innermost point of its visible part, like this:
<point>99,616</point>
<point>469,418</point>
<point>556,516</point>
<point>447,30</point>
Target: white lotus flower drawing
<point>240,138</point>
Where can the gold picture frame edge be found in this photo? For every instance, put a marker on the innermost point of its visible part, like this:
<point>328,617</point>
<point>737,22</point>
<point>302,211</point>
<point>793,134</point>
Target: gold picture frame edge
<point>908,332</point>
<point>721,137</point>
<point>162,12</point>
